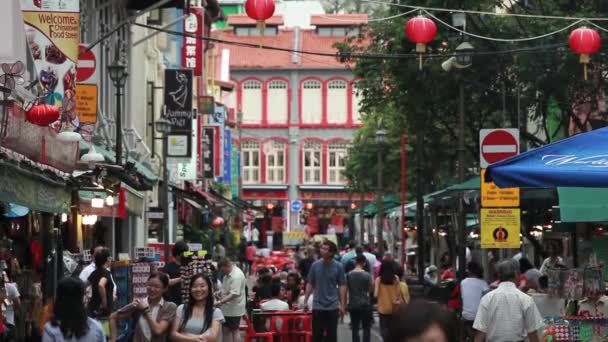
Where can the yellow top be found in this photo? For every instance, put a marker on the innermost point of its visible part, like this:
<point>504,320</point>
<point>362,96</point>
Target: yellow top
<point>387,296</point>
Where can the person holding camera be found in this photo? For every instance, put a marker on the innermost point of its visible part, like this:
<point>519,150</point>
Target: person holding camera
<point>173,270</point>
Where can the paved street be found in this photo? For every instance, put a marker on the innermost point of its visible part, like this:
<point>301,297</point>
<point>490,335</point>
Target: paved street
<point>344,333</point>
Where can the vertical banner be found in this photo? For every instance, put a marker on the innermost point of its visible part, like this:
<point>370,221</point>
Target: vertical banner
<point>234,169</point>
<point>178,99</point>
<point>192,47</point>
<point>227,156</point>
<point>208,155</point>
<point>187,170</point>
<point>52,29</point>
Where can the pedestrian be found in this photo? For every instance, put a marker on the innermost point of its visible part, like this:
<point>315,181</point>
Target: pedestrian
<point>250,252</point>
<point>90,268</point>
<point>219,251</point>
<point>307,262</point>
<point>507,314</point>
<point>101,286</point>
<point>198,320</point>
<point>554,260</point>
<point>472,288</point>
<point>293,288</point>
<point>233,301</point>
<point>151,317</point>
<point>387,290</point>
<point>11,302</point>
<point>70,321</point>
<point>360,284</point>
<point>424,321</point>
<point>348,260</point>
<point>255,236</point>
<point>327,281</point>
<point>174,270</point>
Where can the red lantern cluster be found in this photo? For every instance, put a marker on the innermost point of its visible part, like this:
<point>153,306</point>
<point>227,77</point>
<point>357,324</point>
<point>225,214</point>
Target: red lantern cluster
<point>42,114</point>
<point>217,222</point>
<point>585,41</point>
<point>420,30</point>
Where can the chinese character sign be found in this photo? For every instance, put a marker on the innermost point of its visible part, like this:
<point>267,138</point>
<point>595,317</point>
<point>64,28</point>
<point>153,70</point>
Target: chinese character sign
<point>192,45</point>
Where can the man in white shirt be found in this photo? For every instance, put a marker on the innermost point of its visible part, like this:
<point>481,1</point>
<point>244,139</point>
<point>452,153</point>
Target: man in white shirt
<point>507,314</point>
<point>275,303</point>
<point>472,289</point>
<point>234,300</point>
<point>86,272</point>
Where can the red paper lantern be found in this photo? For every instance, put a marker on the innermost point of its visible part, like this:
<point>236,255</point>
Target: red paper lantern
<point>260,11</point>
<point>42,114</point>
<point>584,41</point>
<point>217,222</point>
<point>420,30</point>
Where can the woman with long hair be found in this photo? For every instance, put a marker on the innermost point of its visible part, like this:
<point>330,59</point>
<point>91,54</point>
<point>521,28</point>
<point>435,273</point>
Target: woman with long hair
<point>387,290</point>
<point>102,287</point>
<point>152,316</point>
<point>70,321</point>
<point>198,320</point>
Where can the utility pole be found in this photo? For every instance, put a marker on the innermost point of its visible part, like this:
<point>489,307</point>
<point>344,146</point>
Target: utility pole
<point>462,244</point>
<point>420,202</point>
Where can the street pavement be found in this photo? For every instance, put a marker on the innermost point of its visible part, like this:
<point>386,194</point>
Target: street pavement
<point>344,333</point>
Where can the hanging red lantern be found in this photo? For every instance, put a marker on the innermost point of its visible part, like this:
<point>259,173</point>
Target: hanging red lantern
<point>42,114</point>
<point>420,30</point>
<point>217,222</point>
<point>584,41</point>
<point>260,11</point>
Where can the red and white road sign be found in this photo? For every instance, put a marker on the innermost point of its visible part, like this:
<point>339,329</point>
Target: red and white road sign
<point>497,144</point>
<point>86,72</point>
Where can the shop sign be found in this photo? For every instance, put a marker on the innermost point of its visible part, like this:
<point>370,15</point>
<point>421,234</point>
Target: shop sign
<point>227,156</point>
<point>334,195</point>
<point>500,227</point>
<point>495,197</point>
<point>206,105</point>
<point>86,103</point>
<point>269,195</point>
<point>192,47</point>
<point>178,99</point>
<point>209,151</point>
<point>234,169</point>
<point>186,171</point>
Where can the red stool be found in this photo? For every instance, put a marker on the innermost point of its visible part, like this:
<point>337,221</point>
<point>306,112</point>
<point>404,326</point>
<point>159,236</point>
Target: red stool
<point>302,327</point>
<point>281,325</point>
<point>251,334</point>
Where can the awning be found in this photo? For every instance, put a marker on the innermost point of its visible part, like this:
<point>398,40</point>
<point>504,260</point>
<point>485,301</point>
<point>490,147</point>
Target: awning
<point>194,204</point>
<point>583,204</point>
<point>205,194</point>
<point>110,157</point>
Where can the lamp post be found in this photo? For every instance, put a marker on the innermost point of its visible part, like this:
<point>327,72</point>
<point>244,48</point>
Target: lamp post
<point>163,126</point>
<point>239,123</point>
<point>118,74</point>
<point>462,59</point>
<point>379,138</point>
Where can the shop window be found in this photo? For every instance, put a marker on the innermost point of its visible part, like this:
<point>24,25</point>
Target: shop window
<point>245,31</point>
<point>275,162</point>
<point>356,98</point>
<point>337,102</point>
<point>251,162</point>
<point>277,102</point>
<point>336,163</point>
<point>312,102</point>
<point>252,102</point>
<point>312,154</point>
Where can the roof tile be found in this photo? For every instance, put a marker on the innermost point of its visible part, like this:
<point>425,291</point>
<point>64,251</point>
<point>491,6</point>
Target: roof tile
<point>243,19</point>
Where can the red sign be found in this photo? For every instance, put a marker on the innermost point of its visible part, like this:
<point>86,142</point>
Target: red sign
<point>87,64</point>
<point>498,144</point>
<point>264,194</point>
<point>192,45</point>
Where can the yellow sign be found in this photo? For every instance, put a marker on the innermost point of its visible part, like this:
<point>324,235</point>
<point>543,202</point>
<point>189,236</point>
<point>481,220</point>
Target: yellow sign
<point>86,103</point>
<point>330,237</point>
<point>495,197</point>
<point>500,227</point>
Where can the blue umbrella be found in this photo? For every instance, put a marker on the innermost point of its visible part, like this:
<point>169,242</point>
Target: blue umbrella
<point>578,161</point>
<point>17,210</point>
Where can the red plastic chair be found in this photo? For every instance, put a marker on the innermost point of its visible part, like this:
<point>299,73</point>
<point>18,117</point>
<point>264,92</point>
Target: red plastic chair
<point>302,327</point>
<point>251,334</point>
<point>281,326</point>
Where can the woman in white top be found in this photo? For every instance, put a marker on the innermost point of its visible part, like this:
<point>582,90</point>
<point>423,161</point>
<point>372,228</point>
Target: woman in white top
<point>198,320</point>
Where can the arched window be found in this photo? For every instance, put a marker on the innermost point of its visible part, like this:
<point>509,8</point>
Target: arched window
<point>250,161</point>
<point>312,102</point>
<point>356,98</point>
<point>277,102</point>
<point>311,162</point>
<point>336,162</point>
<point>252,102</point>
<point>274,151</point>
<point>337,102</point>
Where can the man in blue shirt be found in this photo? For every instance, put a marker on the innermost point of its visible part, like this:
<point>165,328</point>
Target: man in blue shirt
<point>327,283</point>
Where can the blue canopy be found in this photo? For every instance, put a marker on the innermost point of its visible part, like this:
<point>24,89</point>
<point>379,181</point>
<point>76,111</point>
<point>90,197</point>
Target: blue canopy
<point>578,161</point>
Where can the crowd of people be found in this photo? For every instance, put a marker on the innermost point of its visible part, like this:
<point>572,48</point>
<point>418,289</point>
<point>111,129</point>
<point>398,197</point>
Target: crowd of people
<point>322,281</point>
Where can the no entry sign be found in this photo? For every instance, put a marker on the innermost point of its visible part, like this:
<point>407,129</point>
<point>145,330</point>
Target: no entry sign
<point>86,72</point>
<point>497,144</point>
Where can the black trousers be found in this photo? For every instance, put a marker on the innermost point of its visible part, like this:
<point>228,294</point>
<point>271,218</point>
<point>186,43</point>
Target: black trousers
<point>385,327</point>
<point>361,318</point>
<point>325,325</point>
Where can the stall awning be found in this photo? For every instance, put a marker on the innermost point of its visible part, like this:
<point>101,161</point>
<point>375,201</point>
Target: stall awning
<point>583,204</point>
<point>111,158</point>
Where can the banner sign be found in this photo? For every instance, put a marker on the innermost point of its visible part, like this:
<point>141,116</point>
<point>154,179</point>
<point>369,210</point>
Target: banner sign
<point>52,30</point>
<point>234,169</point>
<point>178,99</point>
<point>192,47</point>
<point>500,227</point>
<point>187,170</point>
<point>208,152</point>
<point>227,156</point>
<point>493,196</point>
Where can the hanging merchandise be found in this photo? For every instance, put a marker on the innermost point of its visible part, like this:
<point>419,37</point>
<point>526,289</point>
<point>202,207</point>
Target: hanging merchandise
<point>420,30</point>
<point>594,284</point>
<point>585,41</point>
<point>555,281</point>
<point>573,286</point>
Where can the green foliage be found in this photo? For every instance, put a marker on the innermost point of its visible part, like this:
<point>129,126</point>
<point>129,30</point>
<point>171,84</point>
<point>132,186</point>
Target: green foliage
<point>506,78</point>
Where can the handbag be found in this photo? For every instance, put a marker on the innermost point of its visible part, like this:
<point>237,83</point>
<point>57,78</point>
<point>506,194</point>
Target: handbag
<point>399,300</point>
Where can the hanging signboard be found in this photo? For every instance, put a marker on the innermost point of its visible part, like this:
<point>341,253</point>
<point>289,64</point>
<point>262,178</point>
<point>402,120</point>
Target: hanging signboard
<point>500,227</point>
<point>495,197</point>
<point>178,99</point>
<point>192,47</point>
<point>208,152</point>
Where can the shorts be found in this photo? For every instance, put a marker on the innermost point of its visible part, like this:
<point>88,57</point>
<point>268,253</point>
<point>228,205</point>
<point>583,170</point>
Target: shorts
<point>232,323</point>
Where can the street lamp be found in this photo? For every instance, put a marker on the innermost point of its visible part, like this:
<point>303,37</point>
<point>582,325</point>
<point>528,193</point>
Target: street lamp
<point>118,74</point>
<point>463,59</point>
<point>163,126</point>
<point>379,138</point>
